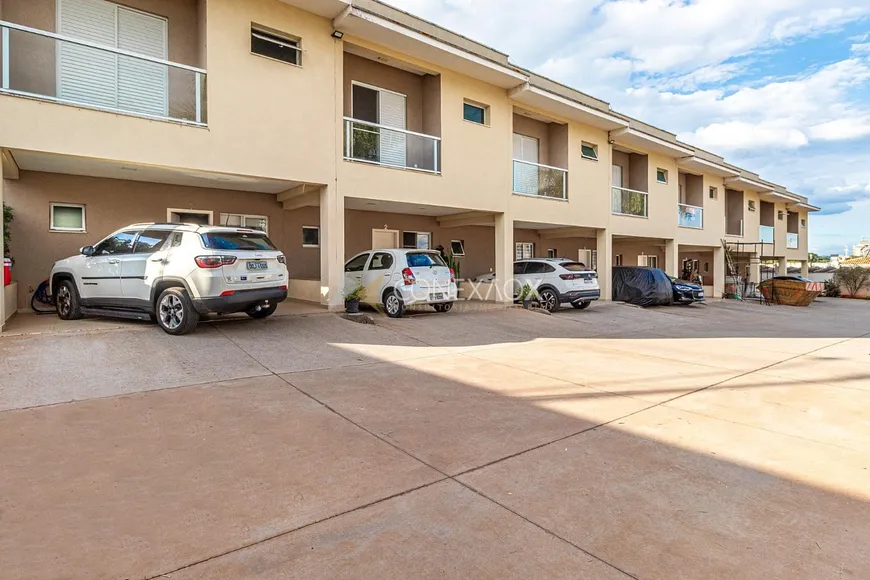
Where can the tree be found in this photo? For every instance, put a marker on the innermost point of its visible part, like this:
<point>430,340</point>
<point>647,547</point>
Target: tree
<point>852,279</point>
<point>7,235</point>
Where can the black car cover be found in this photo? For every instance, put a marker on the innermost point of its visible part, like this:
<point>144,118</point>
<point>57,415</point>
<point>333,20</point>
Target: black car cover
<point>642,286</point>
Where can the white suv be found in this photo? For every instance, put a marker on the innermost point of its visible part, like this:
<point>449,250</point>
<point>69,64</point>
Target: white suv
<point>557,281</point>
<point>400,278</point>
<point>172,273</point>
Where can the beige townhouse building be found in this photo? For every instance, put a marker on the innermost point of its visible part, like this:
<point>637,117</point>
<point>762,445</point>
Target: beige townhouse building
<point>339,127</point>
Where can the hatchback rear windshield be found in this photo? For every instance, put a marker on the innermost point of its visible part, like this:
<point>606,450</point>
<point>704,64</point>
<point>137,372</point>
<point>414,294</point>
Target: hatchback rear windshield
<point>575,266</point>
<point>423,259</point>
<point>237,241</point>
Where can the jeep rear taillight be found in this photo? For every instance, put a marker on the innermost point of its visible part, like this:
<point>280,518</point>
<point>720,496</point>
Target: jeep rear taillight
<point>408,277</point>
<point>452,276</point>
<point>210,262</point>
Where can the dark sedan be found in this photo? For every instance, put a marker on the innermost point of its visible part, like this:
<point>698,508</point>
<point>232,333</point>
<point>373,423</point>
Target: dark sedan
<point>686,292</point>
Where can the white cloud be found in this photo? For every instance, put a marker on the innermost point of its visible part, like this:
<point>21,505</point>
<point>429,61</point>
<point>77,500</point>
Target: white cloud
<point>841,129</point>
<point>737,135</point>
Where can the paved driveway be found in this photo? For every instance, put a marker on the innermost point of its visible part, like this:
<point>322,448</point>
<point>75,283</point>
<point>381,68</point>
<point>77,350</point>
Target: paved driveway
<point>726,441</point>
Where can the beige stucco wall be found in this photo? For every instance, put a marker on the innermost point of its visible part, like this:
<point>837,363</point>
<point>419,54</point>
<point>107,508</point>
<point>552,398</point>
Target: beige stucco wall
<point>369,72</point>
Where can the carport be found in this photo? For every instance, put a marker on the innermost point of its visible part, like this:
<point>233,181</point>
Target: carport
<point>707,262</point>
<point>650,252</point>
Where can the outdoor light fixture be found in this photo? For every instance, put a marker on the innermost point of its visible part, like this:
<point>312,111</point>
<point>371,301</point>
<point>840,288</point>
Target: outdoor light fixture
<point>337,34</point>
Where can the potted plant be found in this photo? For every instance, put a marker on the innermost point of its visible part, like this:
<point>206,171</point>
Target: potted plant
<point>352,299</point>
<point>527,295</point>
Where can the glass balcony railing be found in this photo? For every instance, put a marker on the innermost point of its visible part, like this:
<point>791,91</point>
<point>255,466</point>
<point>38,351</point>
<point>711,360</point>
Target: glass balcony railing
<point>629,202</point>
<point>99,77</point>
<point>690,216</point>
<point>390,146</point>
<point>792,241</point>
<point>765,234</point>
<point>540,180</point>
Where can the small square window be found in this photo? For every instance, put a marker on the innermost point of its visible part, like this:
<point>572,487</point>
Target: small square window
<point>310,237</point>
<point>662,175</point>
<point>475,113</point>
<point>551,252</point>
<point>714,193</point>
<point>255,222</point>
<point>780,215</point>
<point>457,248</point>
<point>589,151</point>
<point>751,204</point>
<point>276,46</point>
<point>617,260</point>
<point>525,250</point>
<point>67,217</point>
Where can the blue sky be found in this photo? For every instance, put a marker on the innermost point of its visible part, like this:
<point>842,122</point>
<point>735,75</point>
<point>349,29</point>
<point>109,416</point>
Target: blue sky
<point>780,87</point>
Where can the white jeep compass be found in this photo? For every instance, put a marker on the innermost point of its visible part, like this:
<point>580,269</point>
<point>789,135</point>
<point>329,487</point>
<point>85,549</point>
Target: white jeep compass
<point>172,273</point>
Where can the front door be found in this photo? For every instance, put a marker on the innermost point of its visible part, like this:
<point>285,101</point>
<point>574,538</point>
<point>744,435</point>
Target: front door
<point>385,239</point>
<point>101,278</point>
<point>140,268</point>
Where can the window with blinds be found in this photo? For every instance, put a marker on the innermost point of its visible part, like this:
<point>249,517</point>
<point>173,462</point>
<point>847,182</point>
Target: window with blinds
<point>106,79</point>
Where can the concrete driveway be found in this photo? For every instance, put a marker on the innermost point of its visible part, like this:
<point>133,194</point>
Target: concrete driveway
<point>719,441</point>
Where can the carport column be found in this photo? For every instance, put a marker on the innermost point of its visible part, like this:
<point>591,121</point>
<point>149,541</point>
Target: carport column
<point>718,272</point>
<point>604,260</point>
<point>805,269</point>
<point>783,267</point>
<point>504,258</point>
<point>672,258</point>
<point>331,247</point>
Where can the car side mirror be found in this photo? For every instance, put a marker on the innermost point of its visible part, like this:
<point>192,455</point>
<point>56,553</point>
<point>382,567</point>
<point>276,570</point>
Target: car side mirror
<point>87,251</point>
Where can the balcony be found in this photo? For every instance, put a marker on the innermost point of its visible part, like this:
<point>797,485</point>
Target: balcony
<point>690,216</point>
<point>792,241</point>
<point>629,202</point>
<point>98,76</point>
<point>540,180</point>
<point>391,147</point>
<point>765,234</point>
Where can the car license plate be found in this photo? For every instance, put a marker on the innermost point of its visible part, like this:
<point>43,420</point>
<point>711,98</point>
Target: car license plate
<point>436,296</point>
<point>587,281</point>
<point>257,265</point>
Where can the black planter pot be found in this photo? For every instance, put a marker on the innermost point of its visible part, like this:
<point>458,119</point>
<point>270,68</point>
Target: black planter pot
<point>351,306</point>
<point>527,304</point>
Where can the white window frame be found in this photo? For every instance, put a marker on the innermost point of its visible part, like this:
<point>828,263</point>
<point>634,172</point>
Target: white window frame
<point>664,172</point>
<point>648,261</point>
<point>714,193</point>
<point>591,145</point>
<point>520,250</point>
<point>416,239</point>
<point>265,30</point>
<point>53,228</point>
<point>304,245</point>
<point>243,217</point>
<point>482,107</point>
<point>172,210</point>
<point>461,245</point>
<point>617,260</point>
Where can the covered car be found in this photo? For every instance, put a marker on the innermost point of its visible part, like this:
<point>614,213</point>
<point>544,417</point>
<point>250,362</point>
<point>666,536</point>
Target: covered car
<point>642,286</point>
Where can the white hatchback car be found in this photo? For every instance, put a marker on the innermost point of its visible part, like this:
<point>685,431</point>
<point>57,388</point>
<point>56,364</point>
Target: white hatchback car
<point>398,278</point>
<point>172,273</point>
<point>557,281</point>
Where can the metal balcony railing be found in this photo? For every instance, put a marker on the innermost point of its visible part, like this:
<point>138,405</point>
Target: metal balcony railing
<point>629,202</point>
<point>792,241</point>
<point>540,180</point>
<point>734,229</point>
<point>690,216</point>
<point>390,146</point>
<point>765,234</point>
<point>117,80</point>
